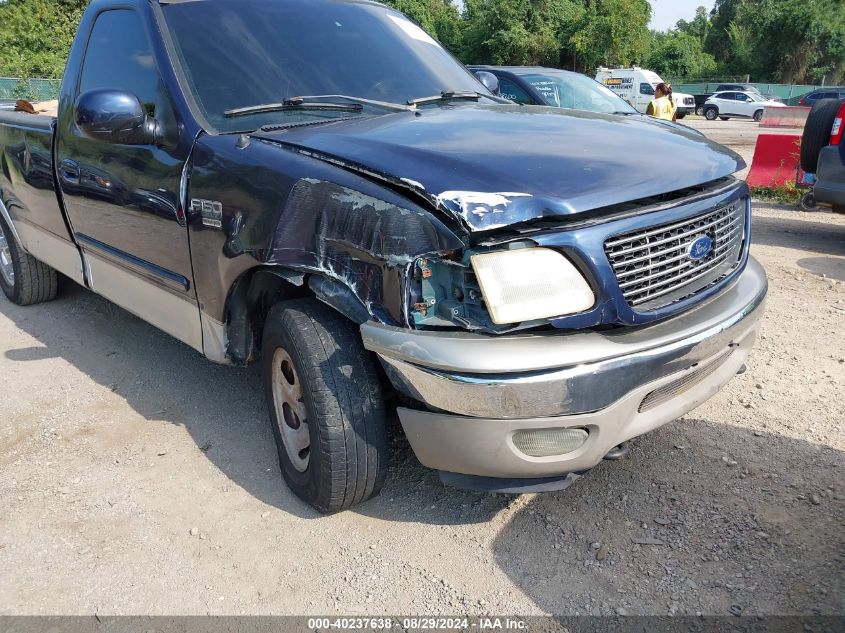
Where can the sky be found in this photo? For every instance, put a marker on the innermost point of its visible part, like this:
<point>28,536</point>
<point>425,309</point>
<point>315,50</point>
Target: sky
<point>666,13</point>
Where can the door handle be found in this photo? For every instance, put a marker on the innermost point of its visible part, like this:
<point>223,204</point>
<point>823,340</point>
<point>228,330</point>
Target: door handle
<point>69,172</point>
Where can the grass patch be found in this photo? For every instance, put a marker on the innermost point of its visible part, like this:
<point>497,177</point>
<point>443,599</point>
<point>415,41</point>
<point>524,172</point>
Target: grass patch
<point>787,193</point>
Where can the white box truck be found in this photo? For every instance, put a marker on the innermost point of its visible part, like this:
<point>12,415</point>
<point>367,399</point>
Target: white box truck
<point>636,85</point>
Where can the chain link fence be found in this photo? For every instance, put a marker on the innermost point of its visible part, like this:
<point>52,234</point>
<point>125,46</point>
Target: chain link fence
<point>788,93</point>
<point>30,89</point>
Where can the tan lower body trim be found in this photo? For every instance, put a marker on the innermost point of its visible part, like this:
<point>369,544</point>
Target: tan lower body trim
<point>214,340</point>
<point>178,316</point>
<point>52,250</point>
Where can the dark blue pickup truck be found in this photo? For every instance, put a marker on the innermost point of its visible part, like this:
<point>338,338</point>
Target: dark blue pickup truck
<point>317,185</point>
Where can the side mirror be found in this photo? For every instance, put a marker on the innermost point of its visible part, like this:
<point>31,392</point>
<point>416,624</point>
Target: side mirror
<point>115,116</point>
<point>489,81</point>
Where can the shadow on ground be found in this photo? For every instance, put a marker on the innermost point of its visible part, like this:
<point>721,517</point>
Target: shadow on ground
<point>699,518</point>
<point>819,237</point>
<point>832,267</point>
<point>765,532</point>
<point>222,408</point>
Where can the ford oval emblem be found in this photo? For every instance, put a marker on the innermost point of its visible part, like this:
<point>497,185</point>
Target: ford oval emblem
<point>700,248</point>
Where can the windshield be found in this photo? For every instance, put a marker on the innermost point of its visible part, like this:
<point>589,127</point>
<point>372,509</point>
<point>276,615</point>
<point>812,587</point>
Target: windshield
<point>578,92</point>
<point>241,53</point>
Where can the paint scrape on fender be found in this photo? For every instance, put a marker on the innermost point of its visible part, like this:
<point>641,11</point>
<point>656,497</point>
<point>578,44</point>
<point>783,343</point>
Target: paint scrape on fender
<point>482,210</point>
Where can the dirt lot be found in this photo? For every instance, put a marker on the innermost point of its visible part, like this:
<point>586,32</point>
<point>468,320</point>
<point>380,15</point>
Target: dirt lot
<point>136,477</point>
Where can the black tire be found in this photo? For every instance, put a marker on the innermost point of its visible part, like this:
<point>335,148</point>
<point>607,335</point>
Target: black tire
<point>680,115</point>
<point>758,116</point>
<point>817,133</point>
<point>711,113</point>
<point>347,455</point>
<point>33,281</point>
<point>808,201</point>
<point>724,118</point>
<point>699,110</point>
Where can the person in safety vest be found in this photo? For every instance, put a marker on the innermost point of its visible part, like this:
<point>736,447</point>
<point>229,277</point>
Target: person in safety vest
<point>662,106</point>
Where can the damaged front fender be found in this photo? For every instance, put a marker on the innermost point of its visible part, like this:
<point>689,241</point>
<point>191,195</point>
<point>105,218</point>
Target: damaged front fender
<point>359,241</point>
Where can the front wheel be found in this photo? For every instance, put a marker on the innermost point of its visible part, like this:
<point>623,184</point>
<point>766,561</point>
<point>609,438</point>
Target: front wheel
<point>724,118</point>
<point>758,116</point>
<point>680,115</point>
<point>326,407</point>
<point>699,111</point>
<point>710,114</point>
<point>24,280</point>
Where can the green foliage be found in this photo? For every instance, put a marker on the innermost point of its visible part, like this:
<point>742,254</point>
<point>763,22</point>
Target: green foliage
<point>680,55</point>
<point>518,32</point>
<point>790,41</point>
<point>35,36</point>
<point>699,26</point>
<point>799,41</point>
<point>787,193</point>
<point>579,34</point>
<point>440,18</point>
<point>613,33</point>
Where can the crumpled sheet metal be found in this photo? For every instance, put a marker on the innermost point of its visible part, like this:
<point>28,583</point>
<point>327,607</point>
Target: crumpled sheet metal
<point>365,243</point>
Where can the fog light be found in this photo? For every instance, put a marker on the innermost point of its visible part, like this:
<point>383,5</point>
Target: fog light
<point>547,442</point>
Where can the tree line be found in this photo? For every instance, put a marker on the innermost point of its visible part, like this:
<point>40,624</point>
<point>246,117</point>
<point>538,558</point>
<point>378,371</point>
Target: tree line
<point>783,41</point>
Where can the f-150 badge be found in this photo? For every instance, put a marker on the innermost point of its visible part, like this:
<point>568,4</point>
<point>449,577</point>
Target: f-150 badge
<point>211,212</point>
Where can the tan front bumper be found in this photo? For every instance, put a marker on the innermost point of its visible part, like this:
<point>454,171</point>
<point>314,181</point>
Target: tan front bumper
<point>616,384</point>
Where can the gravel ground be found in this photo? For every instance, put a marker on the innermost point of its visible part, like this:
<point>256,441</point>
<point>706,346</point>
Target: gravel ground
<point>137,478</point>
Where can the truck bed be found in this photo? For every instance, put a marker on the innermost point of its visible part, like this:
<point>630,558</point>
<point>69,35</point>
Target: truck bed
<point>24,120</point>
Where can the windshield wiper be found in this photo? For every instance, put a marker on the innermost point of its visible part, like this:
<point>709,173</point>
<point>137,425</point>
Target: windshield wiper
<point>312,102</point>
<point>446,95</point>
<point>387,105</point>
<point>288,105</point>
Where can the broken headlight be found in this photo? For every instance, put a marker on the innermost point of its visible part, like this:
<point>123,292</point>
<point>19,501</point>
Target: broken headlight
<point>530,283</point>
<point>490,290</point>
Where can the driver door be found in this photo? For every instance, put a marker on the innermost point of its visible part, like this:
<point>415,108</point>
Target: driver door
<point>123,201</point>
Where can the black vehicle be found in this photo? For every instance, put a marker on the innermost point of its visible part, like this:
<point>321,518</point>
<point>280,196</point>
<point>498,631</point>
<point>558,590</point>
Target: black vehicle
<point>811,98</point>
<point>320,187</point>
<point>536,85</point>
<point>823,152</point>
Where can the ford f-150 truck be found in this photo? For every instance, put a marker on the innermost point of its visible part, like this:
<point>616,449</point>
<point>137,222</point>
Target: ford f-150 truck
<point>318,186</point>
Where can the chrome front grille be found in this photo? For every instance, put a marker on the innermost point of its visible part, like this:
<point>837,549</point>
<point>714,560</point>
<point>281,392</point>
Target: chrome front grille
<point>653,265</point>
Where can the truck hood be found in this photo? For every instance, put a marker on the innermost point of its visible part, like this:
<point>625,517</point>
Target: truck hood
<point>497,165</point>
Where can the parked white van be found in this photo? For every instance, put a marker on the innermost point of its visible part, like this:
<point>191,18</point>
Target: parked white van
<point>636,85</point>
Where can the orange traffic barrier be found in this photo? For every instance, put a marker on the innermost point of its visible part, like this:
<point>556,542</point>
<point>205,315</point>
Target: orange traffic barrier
<point>776,159</point>
<point>792,116</point>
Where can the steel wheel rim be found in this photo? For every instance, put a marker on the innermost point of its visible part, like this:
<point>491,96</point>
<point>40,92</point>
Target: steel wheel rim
<point>7,269</point>
<point>291,417</point>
